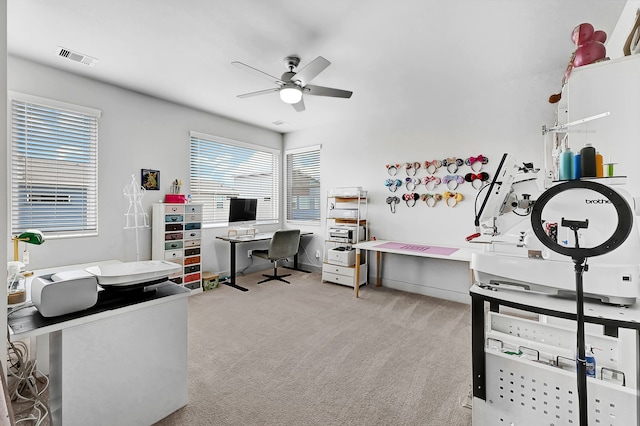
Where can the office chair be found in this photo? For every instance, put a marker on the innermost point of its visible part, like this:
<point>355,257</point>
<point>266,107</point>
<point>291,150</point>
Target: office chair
<point>284,243</point>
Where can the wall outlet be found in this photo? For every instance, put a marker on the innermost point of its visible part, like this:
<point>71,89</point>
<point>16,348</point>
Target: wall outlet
<point>249,253</point>
<point>317,254</point>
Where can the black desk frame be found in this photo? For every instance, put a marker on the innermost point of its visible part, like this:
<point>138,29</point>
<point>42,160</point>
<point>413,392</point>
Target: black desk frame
<point>233,253</point>
<point>499,298</point>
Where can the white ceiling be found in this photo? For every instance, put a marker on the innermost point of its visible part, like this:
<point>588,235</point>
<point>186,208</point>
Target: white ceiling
<point>395,55</point>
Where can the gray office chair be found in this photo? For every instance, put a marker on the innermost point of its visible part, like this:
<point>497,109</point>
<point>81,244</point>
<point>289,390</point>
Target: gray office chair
<point>284,244</point>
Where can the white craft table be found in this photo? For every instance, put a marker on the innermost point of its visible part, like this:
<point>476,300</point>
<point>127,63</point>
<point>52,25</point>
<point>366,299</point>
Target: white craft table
<point>409,249</point>
<point>121,362</point>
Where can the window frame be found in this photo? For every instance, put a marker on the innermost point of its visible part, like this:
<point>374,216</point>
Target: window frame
<point>304,150</point>
<point>89,228</point>
<point>276,168</point>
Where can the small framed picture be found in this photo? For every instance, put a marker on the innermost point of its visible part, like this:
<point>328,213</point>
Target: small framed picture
<point>150,179</point>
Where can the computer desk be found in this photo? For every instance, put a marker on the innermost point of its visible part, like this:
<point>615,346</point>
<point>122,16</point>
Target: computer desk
<point>235,240</point>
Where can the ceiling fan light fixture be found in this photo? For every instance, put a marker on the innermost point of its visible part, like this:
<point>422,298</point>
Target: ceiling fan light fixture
<point>290,95</point>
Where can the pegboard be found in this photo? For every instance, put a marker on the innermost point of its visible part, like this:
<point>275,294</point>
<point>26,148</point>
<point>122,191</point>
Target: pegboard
<point>522,392</point>
<point>554,336</point>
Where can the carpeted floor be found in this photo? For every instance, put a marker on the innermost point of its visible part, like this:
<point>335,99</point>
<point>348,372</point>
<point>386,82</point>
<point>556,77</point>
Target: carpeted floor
<point>309,353</point>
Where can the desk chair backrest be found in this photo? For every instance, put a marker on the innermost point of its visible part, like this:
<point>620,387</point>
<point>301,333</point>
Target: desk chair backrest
<point>284,243</point>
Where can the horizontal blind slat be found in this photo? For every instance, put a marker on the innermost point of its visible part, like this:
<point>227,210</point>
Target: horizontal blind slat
<point>54,170</point>
<point>219,171</point>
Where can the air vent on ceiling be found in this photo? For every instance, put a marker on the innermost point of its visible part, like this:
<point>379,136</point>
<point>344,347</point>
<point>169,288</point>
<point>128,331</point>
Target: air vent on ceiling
<point>75,56</point>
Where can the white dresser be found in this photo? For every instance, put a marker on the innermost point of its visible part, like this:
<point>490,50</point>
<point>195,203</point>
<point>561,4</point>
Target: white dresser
<point>177,238</point>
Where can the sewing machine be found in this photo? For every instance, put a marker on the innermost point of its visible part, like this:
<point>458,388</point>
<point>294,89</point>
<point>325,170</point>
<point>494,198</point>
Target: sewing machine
<point>514,257</point>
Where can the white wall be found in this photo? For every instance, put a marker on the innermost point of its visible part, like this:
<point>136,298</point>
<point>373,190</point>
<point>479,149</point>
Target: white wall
<point>135,132</point>
<point>494,119</point>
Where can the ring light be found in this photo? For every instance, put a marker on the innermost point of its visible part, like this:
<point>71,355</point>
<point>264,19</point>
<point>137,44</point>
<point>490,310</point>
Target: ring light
<point>615,240</point>
<point>579,256</point>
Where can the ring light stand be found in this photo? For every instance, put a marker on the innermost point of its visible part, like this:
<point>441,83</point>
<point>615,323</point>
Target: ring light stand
<point>579,256</point>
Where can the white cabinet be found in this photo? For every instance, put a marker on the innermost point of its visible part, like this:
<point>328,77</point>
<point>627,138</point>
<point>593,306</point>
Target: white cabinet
<point>346,225</point>
<point>176,237</point>
<point>610,86</point>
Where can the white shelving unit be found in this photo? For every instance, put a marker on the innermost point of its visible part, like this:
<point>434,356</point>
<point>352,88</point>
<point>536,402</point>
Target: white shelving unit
<point>346,225</point>
<point>177,238</point>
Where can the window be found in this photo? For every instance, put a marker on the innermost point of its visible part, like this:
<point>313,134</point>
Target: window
<point>222,168</point>
<point>303,185</point>
<point>54,167</point>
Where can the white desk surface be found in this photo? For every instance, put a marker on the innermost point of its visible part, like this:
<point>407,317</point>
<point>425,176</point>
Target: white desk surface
<point>260,236</point>
<point>461,254</point>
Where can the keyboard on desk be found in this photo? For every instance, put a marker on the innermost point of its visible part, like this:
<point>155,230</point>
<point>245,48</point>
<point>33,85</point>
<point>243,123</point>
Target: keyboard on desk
<point>249,237</point>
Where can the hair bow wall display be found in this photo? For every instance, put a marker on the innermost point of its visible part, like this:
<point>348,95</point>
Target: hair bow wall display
<point>431,180</point>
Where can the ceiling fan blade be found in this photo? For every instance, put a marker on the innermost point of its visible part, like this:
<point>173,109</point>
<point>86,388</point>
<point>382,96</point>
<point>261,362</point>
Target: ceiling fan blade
<point>258,73</point>
<point>299,106</point>
<point>326,91</point>
<point>259,92</point>
<point>311,70</point>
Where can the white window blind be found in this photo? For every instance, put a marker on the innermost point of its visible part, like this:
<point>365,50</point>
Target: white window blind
<point>54,168</point>
<point>303,185</point>
<point>222,168</point>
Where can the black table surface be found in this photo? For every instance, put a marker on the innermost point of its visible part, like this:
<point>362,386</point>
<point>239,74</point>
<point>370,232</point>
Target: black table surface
<point>29,319</point>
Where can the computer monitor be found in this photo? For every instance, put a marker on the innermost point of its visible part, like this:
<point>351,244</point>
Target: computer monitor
<point>242,211</point>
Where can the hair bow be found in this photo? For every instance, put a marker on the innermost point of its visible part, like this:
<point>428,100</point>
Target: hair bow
<point>392,201</point>
<point>453,181</point>
<point>431,182</point>
<point>476,177</point>
<point>412,166</point>
<point>412,196</point>
<point>452,164</point>
<point>393,184</point>
<point>480,159</point>
<point>392,169</point>
<point>432,166</point>
<point>431,199</point>
<point>455,196</point>
<point>411,183</point>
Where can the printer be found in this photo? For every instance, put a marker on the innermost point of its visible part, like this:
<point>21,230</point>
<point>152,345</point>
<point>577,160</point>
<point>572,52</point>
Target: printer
<point>346,234</point>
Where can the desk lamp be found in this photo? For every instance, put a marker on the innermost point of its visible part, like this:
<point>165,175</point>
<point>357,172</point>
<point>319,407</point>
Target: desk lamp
<point>30,236</point>
<point>580,255</point>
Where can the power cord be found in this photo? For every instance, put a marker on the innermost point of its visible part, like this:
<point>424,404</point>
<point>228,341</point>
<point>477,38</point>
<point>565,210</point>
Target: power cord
<point>25,384</point>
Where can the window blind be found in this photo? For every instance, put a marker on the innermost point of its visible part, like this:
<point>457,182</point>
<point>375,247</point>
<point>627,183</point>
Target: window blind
<point>54,169</point>
<point>221,168</point>
<point>303,185</point>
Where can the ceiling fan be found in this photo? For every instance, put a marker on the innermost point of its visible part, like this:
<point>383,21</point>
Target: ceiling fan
<point>294,83</point>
